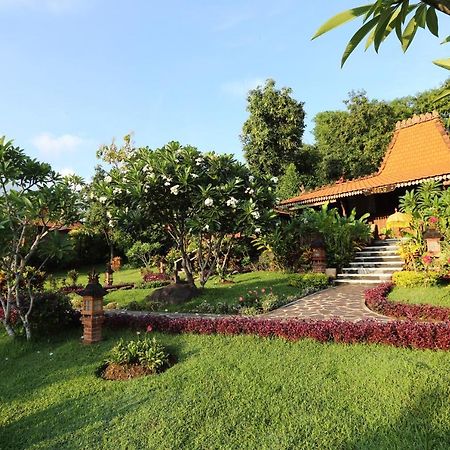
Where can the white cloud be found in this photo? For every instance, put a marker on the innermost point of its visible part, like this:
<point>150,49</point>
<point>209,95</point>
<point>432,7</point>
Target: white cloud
<point>53,146</point>
<point>54,6</point>
<point>241,88</point>
<point>66,171</point>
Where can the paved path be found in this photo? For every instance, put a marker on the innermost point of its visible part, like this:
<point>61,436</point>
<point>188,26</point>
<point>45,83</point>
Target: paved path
<point>344,302</point>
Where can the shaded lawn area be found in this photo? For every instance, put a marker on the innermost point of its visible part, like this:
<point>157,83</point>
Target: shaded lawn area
<point>215,291</point>
<point>226,392</point>
<point>435,295</point>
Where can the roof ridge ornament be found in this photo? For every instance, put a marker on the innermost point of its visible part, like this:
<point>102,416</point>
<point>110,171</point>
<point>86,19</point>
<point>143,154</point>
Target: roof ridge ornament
<point>417,118</point>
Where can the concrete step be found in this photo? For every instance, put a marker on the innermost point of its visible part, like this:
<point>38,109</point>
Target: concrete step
<point>356,281</point>
<point>366,276</point>
<point>377,253</point>
<point>376,264</point>
<point>381,247</point>
<point>386,242</point>
<point>374,270</point>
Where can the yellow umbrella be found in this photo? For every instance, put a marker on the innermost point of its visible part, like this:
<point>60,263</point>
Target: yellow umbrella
<point>398,220</point>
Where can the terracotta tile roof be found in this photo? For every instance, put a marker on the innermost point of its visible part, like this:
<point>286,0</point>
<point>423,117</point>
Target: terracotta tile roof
<point>419,150</point>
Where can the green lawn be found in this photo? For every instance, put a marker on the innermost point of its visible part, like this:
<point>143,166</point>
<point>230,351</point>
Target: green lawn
<point>226,392</point>
<point>436,295</point>
<point>215,291</point>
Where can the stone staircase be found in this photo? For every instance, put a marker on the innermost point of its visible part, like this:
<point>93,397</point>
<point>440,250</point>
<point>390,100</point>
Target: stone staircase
<point>373,264</point>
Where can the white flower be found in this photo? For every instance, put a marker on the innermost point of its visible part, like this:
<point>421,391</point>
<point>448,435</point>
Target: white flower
<point>206,228</point>
<point>51,353</point>
<point>108,179</point>
<point>102,199</point>
<point>151,175</point>
<point>257,230</point>
<point>274,179</point>
<point>126,210</point>
<point>111,223</point>
<point>91,196</point>
<point>251,178</point>
<point>174,189</point>
<point>249,191</point>
<point>256,214</point>
<point>167,183</point>
<point>146,168</point>
<point>194,175</point>
<point>117,191</point>
<point>198,161</point>
<point>232,202</point>
<point>238,180</point>
<point>164,177</point>
<point>108,215</point>
<point>209,201</point>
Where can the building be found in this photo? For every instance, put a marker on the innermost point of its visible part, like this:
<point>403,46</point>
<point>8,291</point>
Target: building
<point>419,151</point>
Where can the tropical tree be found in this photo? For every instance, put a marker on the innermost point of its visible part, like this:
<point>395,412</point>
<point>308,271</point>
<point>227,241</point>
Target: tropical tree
<point>34,200</point>
<point>290,183</point>
<point>194,197</point>
<point>380,18</point>
<point>272,134</point>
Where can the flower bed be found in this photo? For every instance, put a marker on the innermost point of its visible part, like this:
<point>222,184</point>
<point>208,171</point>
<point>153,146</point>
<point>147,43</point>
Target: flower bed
<point>376,300</point>
<point>395,333</point>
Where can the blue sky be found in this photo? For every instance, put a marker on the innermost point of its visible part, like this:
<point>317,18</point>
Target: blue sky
<point>76,73</point>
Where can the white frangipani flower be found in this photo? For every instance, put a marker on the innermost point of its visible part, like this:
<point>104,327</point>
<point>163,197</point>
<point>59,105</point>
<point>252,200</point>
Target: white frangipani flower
<point>108,215</point>
<point>174,189</point>
<point>256,214</point>
<point>206,227</point>
<point>257,230</point>
<point>209,201</point>
<point>102,199</point>
<point>108,179</point>
<point>194,175</point>
<point>274,179</point>
<point>249,191</point>
<point>198,161</point>
<point>232,202</point>
<point>251,178</point>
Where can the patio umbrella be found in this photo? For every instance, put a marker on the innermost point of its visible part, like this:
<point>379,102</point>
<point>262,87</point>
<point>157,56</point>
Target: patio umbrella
<point>398,220</point>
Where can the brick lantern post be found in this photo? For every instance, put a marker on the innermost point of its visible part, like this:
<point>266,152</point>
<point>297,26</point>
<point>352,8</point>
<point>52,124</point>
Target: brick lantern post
<point>92,316</point>
<point>319,256</point>
<point>433,240</point>
<point>109,274</point>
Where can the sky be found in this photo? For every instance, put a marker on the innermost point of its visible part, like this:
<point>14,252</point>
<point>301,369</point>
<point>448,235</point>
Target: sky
<point>78,73</point>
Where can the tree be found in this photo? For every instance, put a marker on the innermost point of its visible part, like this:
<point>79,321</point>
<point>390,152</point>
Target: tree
<point>289,184</point>
<point>34,200</point>
<point>382,17</point>
<point>272,135</point>
<point>196,198</point>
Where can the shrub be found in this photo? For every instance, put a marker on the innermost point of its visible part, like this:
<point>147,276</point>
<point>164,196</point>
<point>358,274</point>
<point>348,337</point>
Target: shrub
<point>73,276</point>
<point>146,352</point>
<point>149,277</point>
<point>52,312</point>
<point>111,305</point>
<point>218,308</point>
<point>415,279</point>
<point>309,281</point>
<point>151,284</point>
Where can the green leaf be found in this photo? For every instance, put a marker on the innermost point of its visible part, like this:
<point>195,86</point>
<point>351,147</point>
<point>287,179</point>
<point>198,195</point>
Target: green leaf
<point>447,39</point>
<point>409,33</point>
<point>383,22</point>
<point>432,21</point>
<point>358,37</point>
<point>421,16</point>
<point>443,94</point>
<point>340,19</point>
<point>445,63</point>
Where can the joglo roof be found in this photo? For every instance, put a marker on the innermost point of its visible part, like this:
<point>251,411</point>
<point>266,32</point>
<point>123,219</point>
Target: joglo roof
<point>419,151</point>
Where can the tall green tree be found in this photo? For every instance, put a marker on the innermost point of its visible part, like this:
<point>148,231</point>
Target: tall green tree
<point>290,183</point>
<point>272,134</point>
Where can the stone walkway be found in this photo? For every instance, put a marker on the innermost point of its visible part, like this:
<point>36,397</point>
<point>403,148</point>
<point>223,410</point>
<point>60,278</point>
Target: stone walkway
<point>343,302</point>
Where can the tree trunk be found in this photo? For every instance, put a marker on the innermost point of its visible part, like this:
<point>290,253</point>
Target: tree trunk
<point>27,327</point>
<point>111,252</point>
<point>9,329</point>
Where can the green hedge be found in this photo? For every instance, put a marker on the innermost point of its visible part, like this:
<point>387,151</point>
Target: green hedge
<point>411,278</point>
<point>305,281</point>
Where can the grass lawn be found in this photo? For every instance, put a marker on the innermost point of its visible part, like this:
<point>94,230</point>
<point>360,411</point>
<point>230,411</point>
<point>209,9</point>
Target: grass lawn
<point>226,392</point>
<point>436,295</point>
<point>215,291</point>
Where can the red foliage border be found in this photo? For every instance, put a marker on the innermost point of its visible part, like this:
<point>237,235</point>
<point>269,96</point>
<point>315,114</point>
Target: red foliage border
<point>376,300</point>
<point>396,333</point>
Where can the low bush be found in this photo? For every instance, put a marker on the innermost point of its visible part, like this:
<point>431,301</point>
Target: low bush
<point>218,308</point>
<point>150,277</point>
<point>260,302</point>
<point>396,333</point>
<point>308,281</point>
<point>152,284</point>
<point>147,352</point>
<point>52,312</point>
<point>376,300</point>
<point>409,278</point>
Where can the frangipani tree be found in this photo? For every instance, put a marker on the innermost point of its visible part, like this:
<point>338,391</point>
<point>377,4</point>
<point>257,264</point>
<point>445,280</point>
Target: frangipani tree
<point>194,197</point>
<point>34,200</point>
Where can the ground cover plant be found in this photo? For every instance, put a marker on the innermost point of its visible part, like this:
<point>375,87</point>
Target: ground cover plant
<point>226,392</point>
